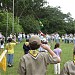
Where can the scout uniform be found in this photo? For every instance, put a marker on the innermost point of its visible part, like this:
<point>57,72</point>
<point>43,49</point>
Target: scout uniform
<point>69,68</point>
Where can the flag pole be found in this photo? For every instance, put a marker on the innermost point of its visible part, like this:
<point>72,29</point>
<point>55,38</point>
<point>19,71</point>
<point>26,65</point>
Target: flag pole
<point>3,54</point>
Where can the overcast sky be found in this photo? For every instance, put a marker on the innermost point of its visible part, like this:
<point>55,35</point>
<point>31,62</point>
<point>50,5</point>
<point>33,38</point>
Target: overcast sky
<point>66,5</point>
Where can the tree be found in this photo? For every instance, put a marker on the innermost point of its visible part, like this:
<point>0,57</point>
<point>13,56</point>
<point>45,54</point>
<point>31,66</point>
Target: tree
<point>3,24</point>
<point>30,12</point>
<point>30,24</point>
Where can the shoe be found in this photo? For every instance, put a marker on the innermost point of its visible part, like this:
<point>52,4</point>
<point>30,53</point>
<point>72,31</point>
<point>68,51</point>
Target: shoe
<point>9,65</point>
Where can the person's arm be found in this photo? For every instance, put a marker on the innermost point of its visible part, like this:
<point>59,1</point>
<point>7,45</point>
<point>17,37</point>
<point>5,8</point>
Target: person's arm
<point>50,51</point>
<point>22,67</point>
<point>14,41</point>
<point>60,54</point>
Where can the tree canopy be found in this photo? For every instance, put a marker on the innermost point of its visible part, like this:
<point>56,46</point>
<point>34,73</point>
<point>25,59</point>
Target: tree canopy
<point>29,13</point>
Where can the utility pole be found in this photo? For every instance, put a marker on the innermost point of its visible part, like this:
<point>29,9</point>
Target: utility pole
<point>7,25</point>
<point>13,19</point>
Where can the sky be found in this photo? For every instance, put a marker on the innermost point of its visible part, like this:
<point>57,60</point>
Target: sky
<point>66,6</point>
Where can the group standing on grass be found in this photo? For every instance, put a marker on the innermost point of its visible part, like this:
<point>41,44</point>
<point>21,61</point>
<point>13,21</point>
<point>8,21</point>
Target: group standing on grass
<point>37,56</point>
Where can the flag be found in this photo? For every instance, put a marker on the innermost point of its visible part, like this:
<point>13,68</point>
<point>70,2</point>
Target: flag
<point>41,33</point>
<point>3,60</point>
<point>3,63</point>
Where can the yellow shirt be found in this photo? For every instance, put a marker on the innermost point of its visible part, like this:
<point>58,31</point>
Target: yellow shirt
<point>10,47</point>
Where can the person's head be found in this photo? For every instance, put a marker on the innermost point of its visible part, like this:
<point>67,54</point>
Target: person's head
<point>27,40</point>
<point>74,51</point>
<point>74,54</point>
<point>34,42</point>
<point>56,45</point>
<point>10,40</point>
<point>44,41</point>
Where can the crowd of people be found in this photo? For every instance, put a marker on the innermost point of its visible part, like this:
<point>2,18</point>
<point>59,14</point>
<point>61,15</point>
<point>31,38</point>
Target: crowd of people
<point>38,53</point>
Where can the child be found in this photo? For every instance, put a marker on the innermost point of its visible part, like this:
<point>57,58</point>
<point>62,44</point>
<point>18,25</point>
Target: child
<point>57,51</point>
<point>69,66</point>
<point>35,62</point>
<point>43,41</point>
<point>26,47</point>
<point>10,51</point>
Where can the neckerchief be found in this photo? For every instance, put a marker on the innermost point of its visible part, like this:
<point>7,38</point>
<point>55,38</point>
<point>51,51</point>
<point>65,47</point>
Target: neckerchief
<point>34,53</point>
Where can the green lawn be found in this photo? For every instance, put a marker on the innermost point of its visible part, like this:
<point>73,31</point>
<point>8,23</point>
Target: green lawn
<point>65,56</point>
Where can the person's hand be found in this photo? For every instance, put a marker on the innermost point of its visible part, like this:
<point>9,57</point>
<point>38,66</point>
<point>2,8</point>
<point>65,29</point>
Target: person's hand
<point>45,46</point>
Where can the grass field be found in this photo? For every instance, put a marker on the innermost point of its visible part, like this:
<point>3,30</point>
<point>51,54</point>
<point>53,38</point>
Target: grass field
<point>65,56</point>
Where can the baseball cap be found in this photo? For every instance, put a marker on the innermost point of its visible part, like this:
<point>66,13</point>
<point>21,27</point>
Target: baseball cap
<point>35,38</point>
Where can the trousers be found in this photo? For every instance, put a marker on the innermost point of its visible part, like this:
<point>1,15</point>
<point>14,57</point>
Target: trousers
<point>57,68</point>
<point>10,58</point>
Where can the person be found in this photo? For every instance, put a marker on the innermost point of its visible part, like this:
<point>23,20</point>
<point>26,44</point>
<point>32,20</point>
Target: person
<point>35,62</point>
<point>69,66</point>
<point>57,51</point>
<point>43,41</point>
<point>10,51</point>
<point>2,45</point>
<point>26,47</point>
